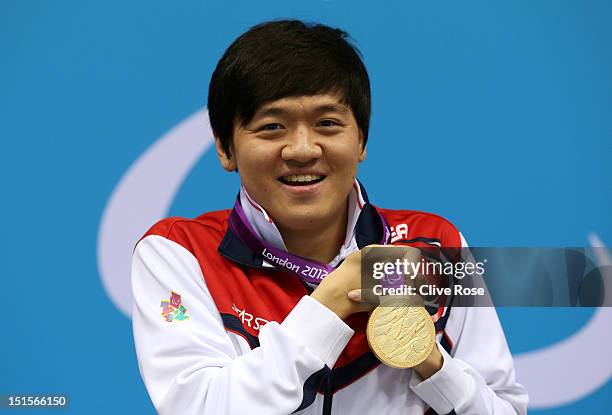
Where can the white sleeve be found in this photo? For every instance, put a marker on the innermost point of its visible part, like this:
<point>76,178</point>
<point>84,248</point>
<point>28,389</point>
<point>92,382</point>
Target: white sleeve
<point>191,366</point>
<point>479,377</point>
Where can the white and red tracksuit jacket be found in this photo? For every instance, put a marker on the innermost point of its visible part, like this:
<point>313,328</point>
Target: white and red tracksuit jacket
<point>240,337</point>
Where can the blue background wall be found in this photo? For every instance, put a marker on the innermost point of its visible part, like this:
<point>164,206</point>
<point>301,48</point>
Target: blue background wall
<point>500,110</point>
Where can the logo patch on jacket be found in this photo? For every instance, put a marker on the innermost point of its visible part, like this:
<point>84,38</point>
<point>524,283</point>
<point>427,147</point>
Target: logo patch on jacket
<point>173,309</point>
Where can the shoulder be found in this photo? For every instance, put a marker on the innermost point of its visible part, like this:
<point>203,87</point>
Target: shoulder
<point>208,227</point>
<point>417,226</point>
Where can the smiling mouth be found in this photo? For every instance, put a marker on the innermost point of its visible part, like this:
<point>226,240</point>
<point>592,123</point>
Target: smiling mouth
<point>301,179</point>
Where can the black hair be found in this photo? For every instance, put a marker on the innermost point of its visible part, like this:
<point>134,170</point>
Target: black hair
<point>286,58</point>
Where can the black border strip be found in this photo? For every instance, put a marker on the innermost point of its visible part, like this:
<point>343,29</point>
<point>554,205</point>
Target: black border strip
<point>233,323</point>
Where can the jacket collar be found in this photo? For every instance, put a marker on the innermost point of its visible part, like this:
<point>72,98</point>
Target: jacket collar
<point>367,230</point>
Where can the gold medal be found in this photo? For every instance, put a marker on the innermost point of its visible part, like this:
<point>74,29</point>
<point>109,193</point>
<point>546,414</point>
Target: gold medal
<point>401,336</point>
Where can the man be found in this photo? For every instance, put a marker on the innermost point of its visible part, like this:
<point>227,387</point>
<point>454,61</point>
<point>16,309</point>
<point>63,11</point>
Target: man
<point>257,315</point>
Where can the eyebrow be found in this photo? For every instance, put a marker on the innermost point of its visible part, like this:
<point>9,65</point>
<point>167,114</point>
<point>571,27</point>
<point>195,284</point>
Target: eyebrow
<point>279,111</point>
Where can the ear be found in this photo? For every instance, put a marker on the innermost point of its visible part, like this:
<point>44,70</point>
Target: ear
<point>362,148</point>
<point>227,160</point>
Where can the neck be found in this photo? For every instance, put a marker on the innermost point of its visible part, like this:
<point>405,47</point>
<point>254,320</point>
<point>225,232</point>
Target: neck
<point>320,243</point>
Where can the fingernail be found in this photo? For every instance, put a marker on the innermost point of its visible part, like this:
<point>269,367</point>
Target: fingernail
<point>354,295</point>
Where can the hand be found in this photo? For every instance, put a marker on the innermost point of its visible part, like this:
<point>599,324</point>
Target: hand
<point>428,367</point>
<point>333,291</point>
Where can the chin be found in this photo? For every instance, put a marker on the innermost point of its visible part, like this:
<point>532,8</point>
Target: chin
<point>304,221</point>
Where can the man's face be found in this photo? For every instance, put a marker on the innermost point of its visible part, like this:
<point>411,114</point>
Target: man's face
<point>298,158</point>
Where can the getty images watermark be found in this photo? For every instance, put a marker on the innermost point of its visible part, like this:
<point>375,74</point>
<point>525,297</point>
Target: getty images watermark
<point>428,275</point>
<point>484,277</point>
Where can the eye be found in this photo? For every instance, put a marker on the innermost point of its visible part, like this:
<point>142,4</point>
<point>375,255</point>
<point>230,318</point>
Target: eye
<point>328,123</point>
<point>272,127</point>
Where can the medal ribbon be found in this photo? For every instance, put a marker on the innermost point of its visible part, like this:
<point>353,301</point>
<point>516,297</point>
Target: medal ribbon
<point>307,270</point>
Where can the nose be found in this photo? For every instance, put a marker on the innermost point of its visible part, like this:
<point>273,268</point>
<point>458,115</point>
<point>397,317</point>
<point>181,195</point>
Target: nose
<point>301,146</point>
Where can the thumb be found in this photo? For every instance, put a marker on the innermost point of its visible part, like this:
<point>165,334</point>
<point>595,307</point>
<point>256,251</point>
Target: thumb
<point>355,295</point>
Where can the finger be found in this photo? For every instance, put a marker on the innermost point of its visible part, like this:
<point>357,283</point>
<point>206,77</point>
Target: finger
<point>355,295</point>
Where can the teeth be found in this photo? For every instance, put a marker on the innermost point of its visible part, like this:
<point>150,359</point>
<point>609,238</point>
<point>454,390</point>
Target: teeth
<point>301,178</point>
